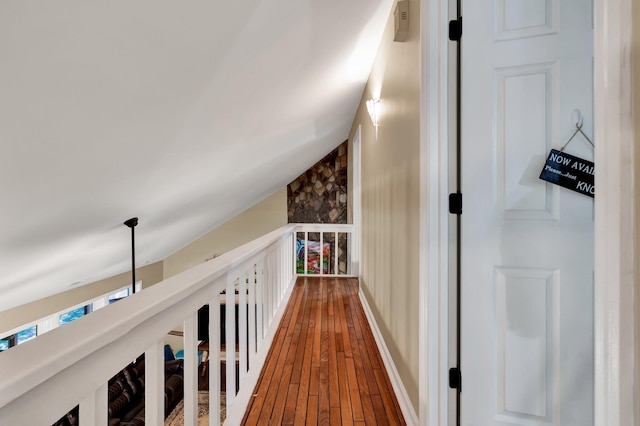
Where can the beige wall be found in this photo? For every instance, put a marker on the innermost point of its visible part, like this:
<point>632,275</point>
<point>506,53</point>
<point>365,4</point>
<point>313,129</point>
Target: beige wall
<point>390,197</point>
<point>267,215</point>
<point>12,318</point>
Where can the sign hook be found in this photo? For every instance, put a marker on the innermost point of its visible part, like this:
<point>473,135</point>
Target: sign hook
<point>578,129</point>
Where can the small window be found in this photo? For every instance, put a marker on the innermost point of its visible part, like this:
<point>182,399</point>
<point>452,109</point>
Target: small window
<point>119,295</point>
<point>74,314</point>
<point>8,342</point>
<point>26,334</point>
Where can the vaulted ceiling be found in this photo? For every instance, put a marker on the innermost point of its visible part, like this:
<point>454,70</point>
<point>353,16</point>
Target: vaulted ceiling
<point>182,113</point>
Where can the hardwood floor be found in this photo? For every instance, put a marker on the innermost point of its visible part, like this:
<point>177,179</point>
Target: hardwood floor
<point>324,367</point>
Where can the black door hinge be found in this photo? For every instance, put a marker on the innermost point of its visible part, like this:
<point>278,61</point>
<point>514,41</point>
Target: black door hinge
<point>455,203</point>
<point>455,29</point>
<point>455,378</point>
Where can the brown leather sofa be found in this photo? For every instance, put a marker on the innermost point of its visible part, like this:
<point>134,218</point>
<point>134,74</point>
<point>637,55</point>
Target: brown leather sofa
<point>126,394</point>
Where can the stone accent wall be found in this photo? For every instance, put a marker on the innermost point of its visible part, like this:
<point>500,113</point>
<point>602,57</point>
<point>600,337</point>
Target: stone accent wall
<point>320,194</point>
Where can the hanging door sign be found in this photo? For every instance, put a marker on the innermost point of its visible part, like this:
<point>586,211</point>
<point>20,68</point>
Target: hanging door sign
<point>570,172</point>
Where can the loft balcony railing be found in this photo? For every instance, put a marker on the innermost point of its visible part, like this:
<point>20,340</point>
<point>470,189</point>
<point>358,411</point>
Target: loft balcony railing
<point>325,249</point>
<point>44,378</point>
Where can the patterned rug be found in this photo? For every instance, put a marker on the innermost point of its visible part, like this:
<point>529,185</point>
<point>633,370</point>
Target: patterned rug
<point>176,418</point>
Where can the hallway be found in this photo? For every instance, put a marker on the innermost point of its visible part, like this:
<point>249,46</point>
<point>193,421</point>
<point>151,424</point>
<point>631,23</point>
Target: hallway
<point>324,367</point>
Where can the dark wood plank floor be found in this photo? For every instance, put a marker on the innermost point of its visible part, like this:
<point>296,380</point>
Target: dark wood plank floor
<point>324,367</point>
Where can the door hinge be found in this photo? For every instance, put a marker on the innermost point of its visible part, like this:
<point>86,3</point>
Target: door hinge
<point>455,203</point>
<point>455,29</point>
<point>455,378</point>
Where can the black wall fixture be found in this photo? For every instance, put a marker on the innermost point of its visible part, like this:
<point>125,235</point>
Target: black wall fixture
<point>131,223</point>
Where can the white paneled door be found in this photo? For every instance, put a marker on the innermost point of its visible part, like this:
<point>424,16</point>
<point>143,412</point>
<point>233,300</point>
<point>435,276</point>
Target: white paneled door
<point>527,246</point>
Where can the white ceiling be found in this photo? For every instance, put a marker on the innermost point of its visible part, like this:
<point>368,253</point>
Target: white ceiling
<point>182,113</point>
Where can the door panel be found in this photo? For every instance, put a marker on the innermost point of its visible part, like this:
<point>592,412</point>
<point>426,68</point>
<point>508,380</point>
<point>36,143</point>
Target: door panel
<point>527,245</point>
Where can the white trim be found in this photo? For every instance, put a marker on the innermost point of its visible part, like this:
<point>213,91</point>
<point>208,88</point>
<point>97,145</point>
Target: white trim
<point>357,202</point>
<point>236,412</point>
<point>406,407</point>
<point>616,260</point>
<point>326,276</point>
<point>434,231</point>
<point>617,398</point>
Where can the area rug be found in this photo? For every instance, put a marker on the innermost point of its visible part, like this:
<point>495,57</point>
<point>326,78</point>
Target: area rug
<point>176,418</point>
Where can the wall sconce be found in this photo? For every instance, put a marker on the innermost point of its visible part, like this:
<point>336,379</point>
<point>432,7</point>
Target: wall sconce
<point>373,108</point>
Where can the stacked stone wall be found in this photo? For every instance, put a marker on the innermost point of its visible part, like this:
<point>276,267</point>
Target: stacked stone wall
<point>320,194</point>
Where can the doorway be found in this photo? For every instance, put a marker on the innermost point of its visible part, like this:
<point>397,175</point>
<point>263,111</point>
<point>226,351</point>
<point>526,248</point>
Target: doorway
<point>526,246</point>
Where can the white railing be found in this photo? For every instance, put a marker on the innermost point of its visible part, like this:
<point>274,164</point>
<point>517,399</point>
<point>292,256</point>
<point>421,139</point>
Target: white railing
<point>326,249</point>
<point>43,379</point>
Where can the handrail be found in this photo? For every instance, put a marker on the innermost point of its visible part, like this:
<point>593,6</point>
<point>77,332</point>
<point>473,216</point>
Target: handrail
<point>42,379</point>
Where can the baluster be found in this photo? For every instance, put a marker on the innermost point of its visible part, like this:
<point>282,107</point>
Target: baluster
<point>252,313</point>
<point>268,289</point>
<point>335,254</point>
<point>94,408</point>
<point>260,301</point>
<point>292,253</point>
<point>154,384</point>
<point>191,370</point>
<point>230,339</point>
<point>242,323</point>
<point>306,252</point>
<point>280,274</point>
<point>283,262</point>
<point>321,253</point>
<point>214,360</point>
<point>349,260</point>
<point>290,257</point>
<point>292,267</point>
<point>278,280</point>
<point>273,286</point>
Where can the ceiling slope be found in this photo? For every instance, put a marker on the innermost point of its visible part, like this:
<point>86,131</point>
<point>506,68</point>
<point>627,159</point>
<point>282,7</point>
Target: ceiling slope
<point>180,113</point>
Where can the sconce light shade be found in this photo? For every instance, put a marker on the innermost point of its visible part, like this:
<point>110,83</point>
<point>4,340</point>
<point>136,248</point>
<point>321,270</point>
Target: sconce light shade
<point>372,107</point>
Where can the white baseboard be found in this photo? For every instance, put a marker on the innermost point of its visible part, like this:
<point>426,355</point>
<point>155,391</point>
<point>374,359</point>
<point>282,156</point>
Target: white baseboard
<point>235,413</point>
<point>406,407</point>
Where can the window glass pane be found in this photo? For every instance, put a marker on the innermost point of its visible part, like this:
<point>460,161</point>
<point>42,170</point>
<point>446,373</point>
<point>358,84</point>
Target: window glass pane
<point>73,315</point>
<point>4,345</point>
<point>26,334</point>
<point>119,295</point>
